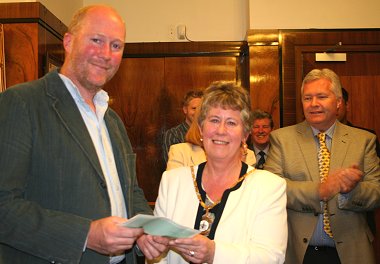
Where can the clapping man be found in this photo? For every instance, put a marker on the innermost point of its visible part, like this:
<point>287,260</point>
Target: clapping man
<point>333,178</point>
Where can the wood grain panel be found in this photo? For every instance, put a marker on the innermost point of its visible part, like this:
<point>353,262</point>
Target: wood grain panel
<point>363,99</point>
<point>265,80</point>
<point>181,49</point>
<point>21,52</point>
<point>31,12</point>
<point>137,94</point>
<point>30,32</point>
<point>147,94</point>
<point>288,78</point>
<point>192,73</point>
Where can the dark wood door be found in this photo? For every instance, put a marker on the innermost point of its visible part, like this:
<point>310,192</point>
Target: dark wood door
<point>359,75</point>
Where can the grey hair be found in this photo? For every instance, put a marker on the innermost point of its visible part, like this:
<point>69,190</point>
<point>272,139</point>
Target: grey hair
<point>227,95</point>
<point>327,74</point>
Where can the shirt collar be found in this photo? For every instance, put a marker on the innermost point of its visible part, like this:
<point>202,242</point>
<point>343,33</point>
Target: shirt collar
<point>329,132</point>
<point>100,99</point>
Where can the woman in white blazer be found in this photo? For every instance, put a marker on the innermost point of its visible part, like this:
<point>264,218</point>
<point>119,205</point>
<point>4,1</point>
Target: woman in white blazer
<point>240,211</point>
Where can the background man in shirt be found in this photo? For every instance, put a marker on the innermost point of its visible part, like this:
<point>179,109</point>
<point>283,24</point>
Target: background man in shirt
<point>177,134</point>
<point>352,186</point>
<point>261,129</point>
<point>68,176</point>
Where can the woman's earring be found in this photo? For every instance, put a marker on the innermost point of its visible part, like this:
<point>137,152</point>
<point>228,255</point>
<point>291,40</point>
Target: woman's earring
<point>245,149</point>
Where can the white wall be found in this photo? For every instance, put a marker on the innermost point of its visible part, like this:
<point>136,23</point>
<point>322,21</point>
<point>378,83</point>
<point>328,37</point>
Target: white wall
<point>226,20</point>
<point>63,9</point>
<point>205,20</point>
<point>324,14</point>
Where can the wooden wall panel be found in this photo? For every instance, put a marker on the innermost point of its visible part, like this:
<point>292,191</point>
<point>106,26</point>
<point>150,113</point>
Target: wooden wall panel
<point>265,80</point>
<point>137,94</point>
<point>21,52</point>
<point>147,94</point>
<point>264,72</point>
<point>364,96</point>
<point>30,32</point>
<point>288,79</point>
<point>192,73</point>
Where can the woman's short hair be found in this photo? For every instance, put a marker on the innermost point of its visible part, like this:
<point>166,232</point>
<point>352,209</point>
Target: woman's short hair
<point>327,74</point>
<point>227,95</point>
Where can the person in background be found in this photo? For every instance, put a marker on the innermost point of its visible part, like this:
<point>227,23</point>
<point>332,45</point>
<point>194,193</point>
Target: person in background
<point>192,153</point>
<point>261,129</point>
<point>333,177</point>
<point>240,211</point>
<point>68,178</point>
<point>177,134</point>
<point>342,117</point>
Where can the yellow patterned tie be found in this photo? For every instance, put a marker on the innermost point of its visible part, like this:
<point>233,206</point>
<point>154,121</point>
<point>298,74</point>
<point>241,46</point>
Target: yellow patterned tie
<point>324,166</point>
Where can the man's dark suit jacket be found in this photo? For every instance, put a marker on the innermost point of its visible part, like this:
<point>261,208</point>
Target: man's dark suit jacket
<point>51,181</point>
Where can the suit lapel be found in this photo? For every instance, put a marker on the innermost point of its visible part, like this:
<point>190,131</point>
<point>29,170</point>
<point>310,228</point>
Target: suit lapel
<point>69,114</point>
<point>116,142</point>
<point>339,146</point>
<point>307,146</point>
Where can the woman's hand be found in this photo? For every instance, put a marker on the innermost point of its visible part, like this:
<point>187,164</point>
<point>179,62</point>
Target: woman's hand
<point>198,249</point>
<point>152,246</point>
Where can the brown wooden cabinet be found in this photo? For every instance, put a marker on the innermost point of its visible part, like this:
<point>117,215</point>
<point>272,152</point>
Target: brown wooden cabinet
<point>32,40</point>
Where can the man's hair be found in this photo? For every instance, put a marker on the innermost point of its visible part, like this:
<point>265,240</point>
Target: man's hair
<point>77,18</point>
<point>260,114</point>
<point>190,95</point>
<point>327,74</point>
<point>81,13</point>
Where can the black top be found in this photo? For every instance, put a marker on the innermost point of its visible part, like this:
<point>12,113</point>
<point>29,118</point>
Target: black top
<point>218,209</point>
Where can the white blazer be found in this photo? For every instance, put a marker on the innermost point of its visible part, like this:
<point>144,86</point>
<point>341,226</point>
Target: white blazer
<point>253,226</point>
<point>187,154</point>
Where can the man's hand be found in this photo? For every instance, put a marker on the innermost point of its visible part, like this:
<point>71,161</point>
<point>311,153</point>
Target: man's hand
<point>152,246</point>
<point>349,178</point>
<point>108,237</point>
<point>341,180</point>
